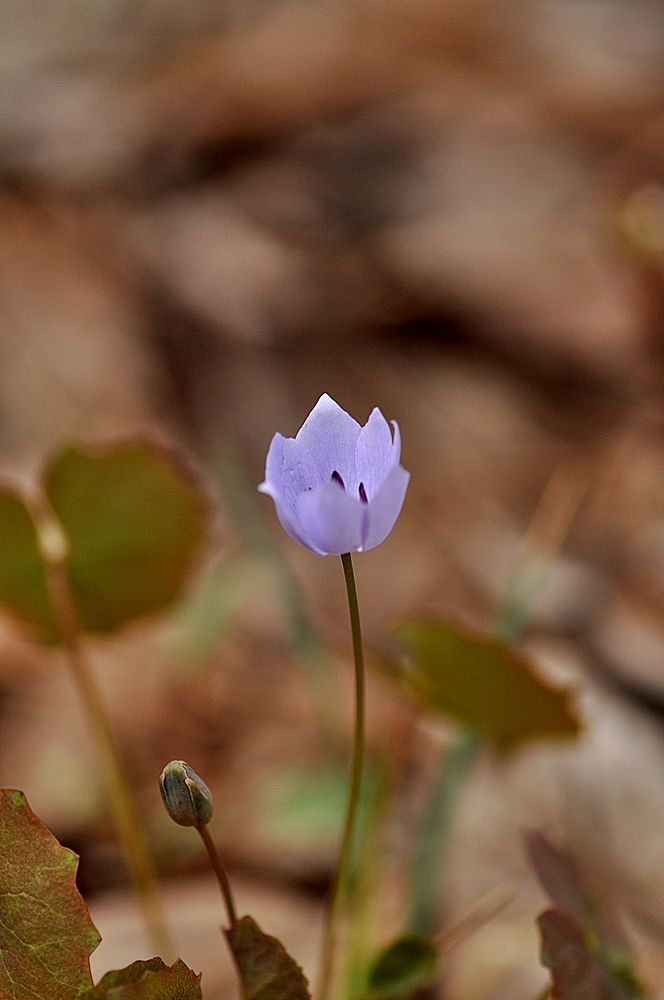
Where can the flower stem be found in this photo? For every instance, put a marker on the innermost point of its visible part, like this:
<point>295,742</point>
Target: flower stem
<point>345,851</point>
<point>54,548</point>
<point>220,872</point>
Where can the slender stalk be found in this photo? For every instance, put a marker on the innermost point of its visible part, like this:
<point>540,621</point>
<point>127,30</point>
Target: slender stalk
<point>345,850</point>
<point>123,809</point>
<point>220,872</point>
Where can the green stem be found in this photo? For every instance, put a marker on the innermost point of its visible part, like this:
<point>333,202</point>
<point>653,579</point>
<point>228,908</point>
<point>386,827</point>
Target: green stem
<point>220,872</point>
<point>345,850</point>
<point>121,800</point>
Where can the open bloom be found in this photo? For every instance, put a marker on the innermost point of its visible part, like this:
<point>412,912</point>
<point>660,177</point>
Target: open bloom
<point>337,487</point>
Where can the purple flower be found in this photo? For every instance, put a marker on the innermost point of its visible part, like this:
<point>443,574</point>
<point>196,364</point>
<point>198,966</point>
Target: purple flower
<point>337,487</point>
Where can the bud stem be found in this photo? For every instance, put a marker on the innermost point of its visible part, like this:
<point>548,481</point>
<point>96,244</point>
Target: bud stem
<point>220,872</point>
<point>119,793</point>
<point>345,850</point>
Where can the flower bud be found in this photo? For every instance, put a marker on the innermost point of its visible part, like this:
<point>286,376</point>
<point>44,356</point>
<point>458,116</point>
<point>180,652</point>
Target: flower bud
<point>187,798</point>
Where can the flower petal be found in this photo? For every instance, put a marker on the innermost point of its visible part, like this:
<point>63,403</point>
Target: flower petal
<point>375,453</point>
<point>289,470</point>
<point>385,507</point>
<point>332,519</point>
<point>329,434</point>
<point>289,522</point>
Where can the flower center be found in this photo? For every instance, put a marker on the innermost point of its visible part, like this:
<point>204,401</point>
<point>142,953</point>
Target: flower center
<point>336,478</point>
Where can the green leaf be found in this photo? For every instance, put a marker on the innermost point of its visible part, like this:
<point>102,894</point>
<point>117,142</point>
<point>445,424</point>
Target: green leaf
<point>267,972</point>
<point>22,578</point>
<point>151,980</point>
<point>135,519</point>
<point>46,935</point>
<point>577,975</point>
<point>403,967</point>
<point>483,683</point>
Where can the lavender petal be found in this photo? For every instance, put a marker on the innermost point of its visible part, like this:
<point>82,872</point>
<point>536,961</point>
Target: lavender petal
<point>290,524</point>
<point>289,469</point>
<point>385,507</point>
<point>273,465</point>
<point>331,519</point>
<point>375,454</point>
<point>329,434</point>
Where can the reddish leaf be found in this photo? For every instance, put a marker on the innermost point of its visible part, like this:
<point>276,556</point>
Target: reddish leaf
<point>123,977</point>
<point>151,980</point>
<point>267,971</point>
<point>46,935</point>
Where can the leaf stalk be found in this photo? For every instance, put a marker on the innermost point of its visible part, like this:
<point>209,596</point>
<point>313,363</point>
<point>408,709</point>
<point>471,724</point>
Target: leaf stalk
<point>53,546</point>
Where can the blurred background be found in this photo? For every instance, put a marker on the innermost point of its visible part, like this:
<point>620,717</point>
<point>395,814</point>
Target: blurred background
<point>213,211</point>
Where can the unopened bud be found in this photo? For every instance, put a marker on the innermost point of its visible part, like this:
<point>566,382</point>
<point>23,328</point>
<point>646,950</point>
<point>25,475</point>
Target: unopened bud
<point>187,798</point>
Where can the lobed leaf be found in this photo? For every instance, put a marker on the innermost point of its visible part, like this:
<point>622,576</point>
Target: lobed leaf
<point>406,965</point>
<point>46,935</point>
<point>135,519</point>
<point>123,977</point>
<point>483,683</point>
<point>152,980</point>
<point>267,972</point>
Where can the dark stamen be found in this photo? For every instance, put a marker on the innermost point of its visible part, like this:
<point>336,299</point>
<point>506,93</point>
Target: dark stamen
<point>363,493</point>
<point>337,478</point>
